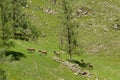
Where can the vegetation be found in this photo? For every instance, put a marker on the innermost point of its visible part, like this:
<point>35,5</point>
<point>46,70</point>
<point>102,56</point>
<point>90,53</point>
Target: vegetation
<point>43,25</point>
<point>69,29</point>
<point>2,75</point>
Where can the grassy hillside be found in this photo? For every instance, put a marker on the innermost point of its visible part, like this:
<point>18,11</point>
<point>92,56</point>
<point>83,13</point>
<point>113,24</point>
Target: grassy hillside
<point>99,41</point>
<point>97,32</point>
<point>33,66</point>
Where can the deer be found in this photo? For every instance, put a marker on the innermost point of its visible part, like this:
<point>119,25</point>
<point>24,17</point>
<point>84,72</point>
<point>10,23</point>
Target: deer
<point>57,54</point>
<point>43,52</point>
<point>87,64</point>
<point>31,49</point>
<point>90,65</point>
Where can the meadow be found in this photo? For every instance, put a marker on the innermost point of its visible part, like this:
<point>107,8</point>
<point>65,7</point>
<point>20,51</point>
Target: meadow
<point>98,38</point>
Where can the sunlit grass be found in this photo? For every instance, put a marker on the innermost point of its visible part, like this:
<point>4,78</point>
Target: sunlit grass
<point>92,36</point>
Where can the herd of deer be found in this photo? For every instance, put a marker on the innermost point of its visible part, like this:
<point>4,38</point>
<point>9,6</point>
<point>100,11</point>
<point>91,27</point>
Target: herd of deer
<point>57,54</point>
<point>43,52</point>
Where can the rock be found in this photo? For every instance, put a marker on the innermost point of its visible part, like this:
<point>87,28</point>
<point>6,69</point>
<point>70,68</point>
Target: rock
<point>73,67</point>
<point>84,73</point>
<point>49,11</point>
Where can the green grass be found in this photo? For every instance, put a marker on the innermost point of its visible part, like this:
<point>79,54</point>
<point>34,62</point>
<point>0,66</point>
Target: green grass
<point>105,66</point>
<point>98,46</point>
<point>40,67</point>
<point>35,66</point>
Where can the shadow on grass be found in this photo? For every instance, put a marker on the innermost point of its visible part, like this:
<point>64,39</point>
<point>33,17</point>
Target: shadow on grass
<point>15,55</point>
<point>81,64</point>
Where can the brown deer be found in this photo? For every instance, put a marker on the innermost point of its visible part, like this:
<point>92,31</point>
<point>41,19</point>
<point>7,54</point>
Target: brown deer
<point>43,52</point>
<point>31,49</point>
<point>90,65</point>
<point>87,64</point>
<point>57,54</point>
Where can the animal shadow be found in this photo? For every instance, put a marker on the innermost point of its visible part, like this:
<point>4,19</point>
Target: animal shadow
<point>15,55</point>
<point>81,64</point>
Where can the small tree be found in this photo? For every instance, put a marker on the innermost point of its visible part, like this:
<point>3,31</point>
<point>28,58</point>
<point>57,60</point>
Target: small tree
<point>22,27</point>
<point>5,26</point>
<point>69,28</point>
